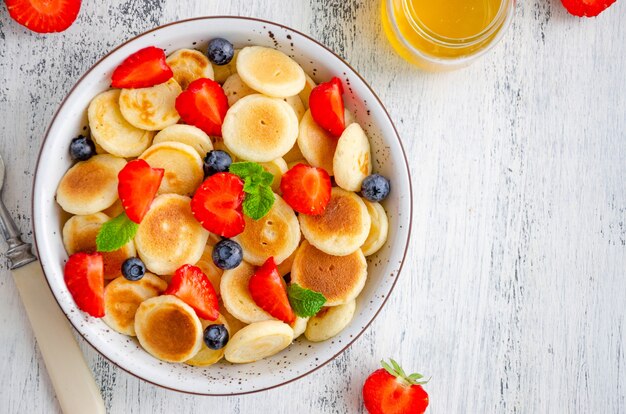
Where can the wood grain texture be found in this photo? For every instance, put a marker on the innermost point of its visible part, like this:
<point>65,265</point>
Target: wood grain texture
<point>514,297</point>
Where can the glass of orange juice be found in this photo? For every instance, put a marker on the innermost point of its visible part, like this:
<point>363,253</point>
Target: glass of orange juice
<point>443,35</point>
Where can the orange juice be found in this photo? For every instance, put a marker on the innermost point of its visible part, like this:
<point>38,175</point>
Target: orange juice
<point>443,31</point>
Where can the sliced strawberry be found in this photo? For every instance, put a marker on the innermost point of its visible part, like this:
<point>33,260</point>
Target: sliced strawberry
<point>269,291</point>
<point>390,391</point>
<point>306,189</point>
<point>44,16</point>
<point>217,204</point>
<point>203,104</point>
<point>144,68</point>
<point>586,8</point>
<point>84,277</point>
<point>195,289</point>
<point>326,105</point>
<point>137,185</point>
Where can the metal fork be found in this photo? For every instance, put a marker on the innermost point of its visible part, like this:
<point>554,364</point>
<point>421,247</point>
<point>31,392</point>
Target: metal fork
<point>70,376</point>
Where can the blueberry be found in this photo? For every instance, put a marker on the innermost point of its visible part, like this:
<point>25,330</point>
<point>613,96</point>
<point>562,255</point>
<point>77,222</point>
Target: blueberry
<point>221,51</point>
<point>215,336</point>
<point>133,268</point>
<point>375,187</point>
<point>216,161</point>
<point>82,148</point>
<point>227,254</point>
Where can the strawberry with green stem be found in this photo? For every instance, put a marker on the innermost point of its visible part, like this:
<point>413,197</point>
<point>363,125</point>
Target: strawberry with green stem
<point>389,390</point>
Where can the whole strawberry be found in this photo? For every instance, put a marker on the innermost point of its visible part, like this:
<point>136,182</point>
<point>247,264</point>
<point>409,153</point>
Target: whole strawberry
<point>390,391</point>
<point>586,8</point>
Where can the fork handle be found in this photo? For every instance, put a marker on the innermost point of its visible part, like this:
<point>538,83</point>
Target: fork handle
<point>19,252</point>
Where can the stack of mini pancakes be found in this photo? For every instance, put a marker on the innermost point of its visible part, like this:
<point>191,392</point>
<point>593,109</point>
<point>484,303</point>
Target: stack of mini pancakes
<point>268,122</point>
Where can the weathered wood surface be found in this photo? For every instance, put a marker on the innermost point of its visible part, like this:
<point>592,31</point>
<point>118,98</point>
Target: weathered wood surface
<point>514,297</point>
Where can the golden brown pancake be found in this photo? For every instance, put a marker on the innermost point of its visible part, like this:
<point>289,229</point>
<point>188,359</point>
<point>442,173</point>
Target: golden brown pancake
<point>169,236</point>
<point>276,234</point>
<point>342,228</point>
<point>339,279</point>
<point>168,328</point>
<point>189,65</point>
<point>90,186</point>
<point>79,235</point>
<point>122,297</point>
<point>182,165</point>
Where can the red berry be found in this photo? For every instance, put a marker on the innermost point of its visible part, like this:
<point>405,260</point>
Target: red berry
<point>217,204</point>
<point>137,185</point>
<point>44,16</point>
<point>203,104</point>
<point>306,189</point>
<point>326,104</point>
<point>144,68</point>
<point>586,8</point>
<point>390,391</point>
<point>195,289</point>
<point>269,292</point>
<point>84,277</point>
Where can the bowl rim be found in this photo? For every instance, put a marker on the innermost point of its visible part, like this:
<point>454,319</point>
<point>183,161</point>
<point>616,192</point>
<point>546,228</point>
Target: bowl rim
<point>380,103</point>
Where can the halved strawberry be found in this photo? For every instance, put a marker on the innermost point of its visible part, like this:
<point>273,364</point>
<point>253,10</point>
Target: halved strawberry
<point>326,105</point>
<point>586,8</point>
<point>269,291</point>
<point>144,68</point>
<point>44,16</point>
<point>137,185</point>
<point>306,189</point>
<point>195,289</point>
<point>390,391</point>
<point>203,104</point>
<point>84,277</point>
<point>217,204</point>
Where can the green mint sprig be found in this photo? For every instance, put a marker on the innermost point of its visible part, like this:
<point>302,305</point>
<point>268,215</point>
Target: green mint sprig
<point>305,302</point>
<point>257,186</point>
<point>115,233</point>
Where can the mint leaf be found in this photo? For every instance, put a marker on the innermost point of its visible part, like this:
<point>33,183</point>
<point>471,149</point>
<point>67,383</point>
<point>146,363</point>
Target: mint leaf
<point>115,233</point>
<point>256,184</point>
<point>256,205</point>
<point>245,169</point>
<point>305,302</point>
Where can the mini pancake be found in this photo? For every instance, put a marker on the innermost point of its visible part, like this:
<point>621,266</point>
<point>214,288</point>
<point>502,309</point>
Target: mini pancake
<point>168,328</point>
<point>306,92</point>
<point>339,278</point>
<point>258,128</point>
<point>235,89</point>
<point>316,144</point>
<point>90,186</point>
<point>234,324</point>
<point>182,165</point>
<point>169,236</point>
<point>294,154</point>
<point>189,65</point>
<point>151,108</point>
<point>342,228</point>
<point>236,295</point>
<point>276,234</point>
<point>111,132</point>
<point>270,71</point>
<point>79,235</point>
<point>284,267</point>
<point>122,297</point>
<point>379,229</point>
<point>186,134</point>
<point>296,104</point>
<point>329,322</point>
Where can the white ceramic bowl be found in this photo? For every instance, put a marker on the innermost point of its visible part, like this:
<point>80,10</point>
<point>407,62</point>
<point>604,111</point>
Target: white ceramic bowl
<point>300,358</point>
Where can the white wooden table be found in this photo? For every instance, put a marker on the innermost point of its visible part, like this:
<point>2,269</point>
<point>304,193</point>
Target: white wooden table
<point>514,297</point>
